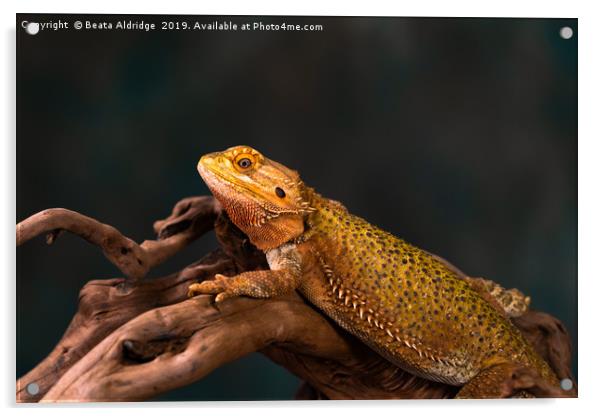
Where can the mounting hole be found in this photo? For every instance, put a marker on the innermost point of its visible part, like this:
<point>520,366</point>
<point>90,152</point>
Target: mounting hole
<point>566,384</point>
<point>33,388</point>
<point>566,32</point>
<point>32,28</point>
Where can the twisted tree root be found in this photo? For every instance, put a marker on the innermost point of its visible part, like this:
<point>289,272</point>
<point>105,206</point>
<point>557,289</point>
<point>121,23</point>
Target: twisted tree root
<point>190,218</point>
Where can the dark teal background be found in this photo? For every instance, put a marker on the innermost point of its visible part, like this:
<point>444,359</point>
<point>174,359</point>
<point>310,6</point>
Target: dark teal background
<point>458,135</point>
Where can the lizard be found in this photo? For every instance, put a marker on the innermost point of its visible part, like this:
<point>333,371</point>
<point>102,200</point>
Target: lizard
<point>413,308</point>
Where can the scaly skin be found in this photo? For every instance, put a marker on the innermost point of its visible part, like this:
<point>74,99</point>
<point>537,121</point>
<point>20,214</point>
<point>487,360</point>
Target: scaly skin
<point>411,307</point>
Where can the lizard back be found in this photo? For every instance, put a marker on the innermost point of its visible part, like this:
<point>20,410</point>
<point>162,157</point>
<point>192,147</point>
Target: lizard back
<point>405,303</point>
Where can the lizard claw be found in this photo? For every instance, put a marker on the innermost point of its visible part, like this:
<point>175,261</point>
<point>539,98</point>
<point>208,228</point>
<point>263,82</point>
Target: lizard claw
<point>219,286</point>
<point>223,296</point>
<point>195,289</point>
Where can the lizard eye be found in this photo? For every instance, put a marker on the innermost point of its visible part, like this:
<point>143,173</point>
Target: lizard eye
<point>280,192</point>
<point>244,162</point>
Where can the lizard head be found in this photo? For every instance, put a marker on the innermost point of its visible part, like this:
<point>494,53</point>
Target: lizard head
<point>265,199</point>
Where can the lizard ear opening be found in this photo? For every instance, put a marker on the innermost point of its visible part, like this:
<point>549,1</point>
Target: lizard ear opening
<point>280,192</point>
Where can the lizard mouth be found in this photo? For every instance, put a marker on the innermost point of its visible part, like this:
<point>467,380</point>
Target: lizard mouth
<point>227,186</point>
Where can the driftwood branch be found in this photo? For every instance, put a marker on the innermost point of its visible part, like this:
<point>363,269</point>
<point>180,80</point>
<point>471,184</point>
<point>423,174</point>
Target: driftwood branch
<point>133,339</point>
<point>190,218</point>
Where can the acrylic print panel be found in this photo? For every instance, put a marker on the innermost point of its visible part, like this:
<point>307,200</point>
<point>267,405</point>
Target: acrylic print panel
<point>450,136</point>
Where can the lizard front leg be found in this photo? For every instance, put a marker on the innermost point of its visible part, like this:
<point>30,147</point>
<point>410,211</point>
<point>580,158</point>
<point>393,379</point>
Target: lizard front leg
<point>283,277</point>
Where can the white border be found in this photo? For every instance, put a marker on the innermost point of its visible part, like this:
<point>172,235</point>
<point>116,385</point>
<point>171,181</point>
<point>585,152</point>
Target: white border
<point>513,8</point>
<point>590,206</point>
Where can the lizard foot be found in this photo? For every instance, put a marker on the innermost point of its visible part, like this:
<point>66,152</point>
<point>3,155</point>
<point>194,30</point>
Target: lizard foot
<point>260,284</point>
<point>283,277</point>
<point>513,302</point>
<point>510,380</point>
<point>220,286</point>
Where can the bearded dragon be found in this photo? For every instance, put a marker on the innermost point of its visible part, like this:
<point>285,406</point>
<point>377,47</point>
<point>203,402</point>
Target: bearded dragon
<point>413,308</point>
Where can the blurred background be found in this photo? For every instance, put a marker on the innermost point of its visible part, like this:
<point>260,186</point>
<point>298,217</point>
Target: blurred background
<point>458,135</point>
